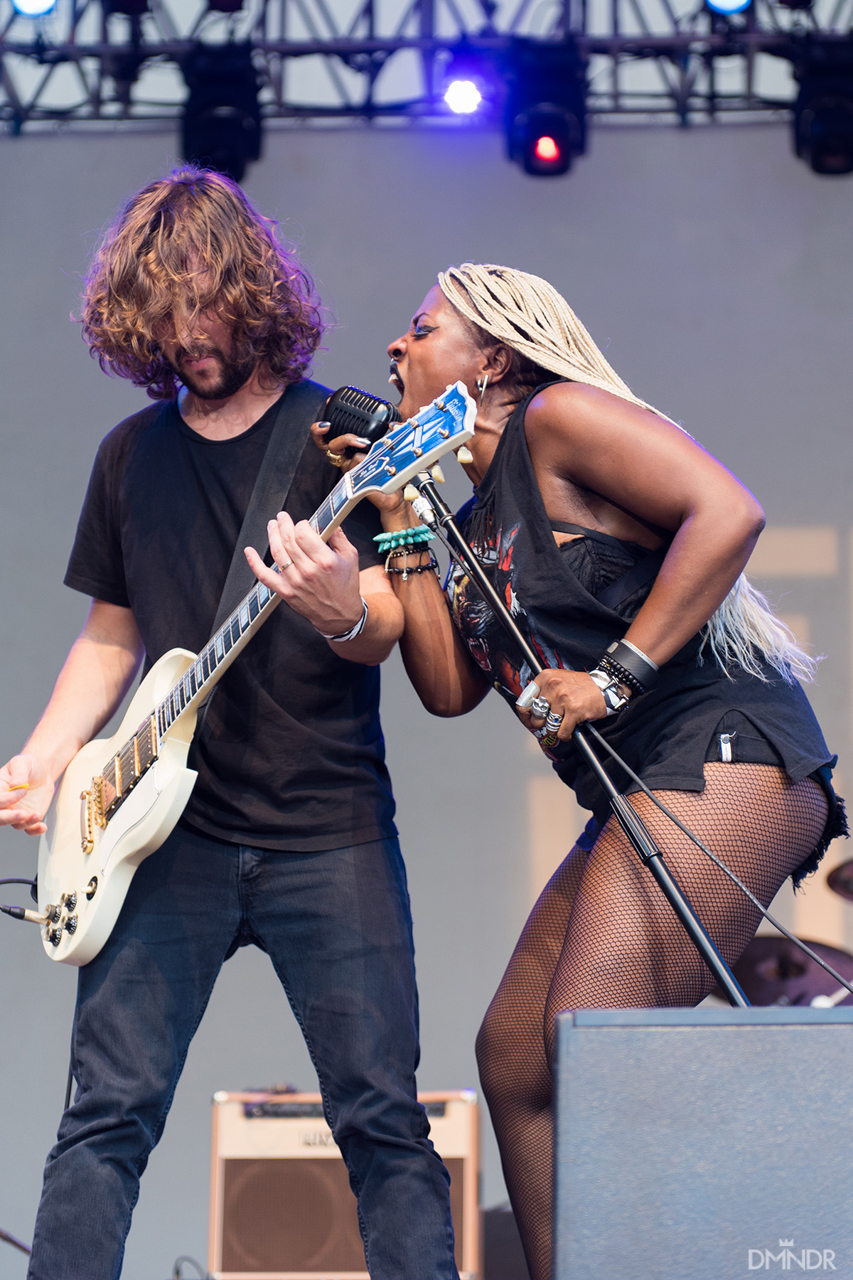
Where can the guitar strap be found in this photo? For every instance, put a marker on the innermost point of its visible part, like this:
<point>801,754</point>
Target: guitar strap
<point>298,408</point>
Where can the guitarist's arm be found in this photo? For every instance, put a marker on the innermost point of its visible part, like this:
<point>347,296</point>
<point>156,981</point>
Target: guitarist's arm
<point>97,674</point>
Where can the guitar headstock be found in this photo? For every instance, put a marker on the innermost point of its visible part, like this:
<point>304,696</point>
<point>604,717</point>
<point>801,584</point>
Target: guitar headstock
<point>416,444</point>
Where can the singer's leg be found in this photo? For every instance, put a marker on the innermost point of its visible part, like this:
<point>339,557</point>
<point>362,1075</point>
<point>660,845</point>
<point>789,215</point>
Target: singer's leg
<point>621,946</point>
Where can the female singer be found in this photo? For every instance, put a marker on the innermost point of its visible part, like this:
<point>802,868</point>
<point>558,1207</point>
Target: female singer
<point>618,543</point>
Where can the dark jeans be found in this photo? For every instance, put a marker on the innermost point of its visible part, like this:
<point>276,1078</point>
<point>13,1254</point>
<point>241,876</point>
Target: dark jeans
<point>338,930</point>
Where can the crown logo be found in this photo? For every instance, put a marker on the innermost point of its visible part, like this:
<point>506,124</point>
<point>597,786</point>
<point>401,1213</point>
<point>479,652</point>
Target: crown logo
<point>786,1244</point>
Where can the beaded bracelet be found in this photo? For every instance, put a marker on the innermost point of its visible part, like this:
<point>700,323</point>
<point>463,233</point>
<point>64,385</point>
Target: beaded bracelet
<point>620,673</point>
<point>630,665</point>
<point>403,553</point>
<point>432,563</point>
<point>418,536</point>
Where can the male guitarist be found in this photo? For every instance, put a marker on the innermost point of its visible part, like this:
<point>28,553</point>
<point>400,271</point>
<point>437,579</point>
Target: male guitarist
<point>288,839</point>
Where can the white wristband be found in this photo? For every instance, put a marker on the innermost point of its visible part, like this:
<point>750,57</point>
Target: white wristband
<point>353,631</point>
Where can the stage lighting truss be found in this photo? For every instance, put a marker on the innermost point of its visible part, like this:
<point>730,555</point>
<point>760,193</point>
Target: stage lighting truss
<point>320,61</point>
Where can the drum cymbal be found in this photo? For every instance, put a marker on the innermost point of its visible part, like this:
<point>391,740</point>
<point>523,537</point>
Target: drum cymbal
<point>840,880</point>
<point>773,970</point>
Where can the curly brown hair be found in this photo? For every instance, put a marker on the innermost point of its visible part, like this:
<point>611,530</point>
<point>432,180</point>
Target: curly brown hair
<point>190,243</point>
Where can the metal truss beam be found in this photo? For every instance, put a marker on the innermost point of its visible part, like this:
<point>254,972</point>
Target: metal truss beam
<point>385,60</point>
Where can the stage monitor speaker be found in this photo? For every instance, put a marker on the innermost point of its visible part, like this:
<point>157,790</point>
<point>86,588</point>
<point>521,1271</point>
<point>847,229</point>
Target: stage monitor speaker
<point>281,1205</point>
<point>704,1144</point>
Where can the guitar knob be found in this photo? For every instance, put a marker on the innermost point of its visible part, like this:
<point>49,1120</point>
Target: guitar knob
<point>55,937</point>
<point>69,901</point>
<point>52,913</point>
<point>71,923</point>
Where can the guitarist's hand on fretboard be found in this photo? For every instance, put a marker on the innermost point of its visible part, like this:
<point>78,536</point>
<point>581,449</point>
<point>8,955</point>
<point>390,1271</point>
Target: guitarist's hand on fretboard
<point>318,579</point>
<point>321,580</point>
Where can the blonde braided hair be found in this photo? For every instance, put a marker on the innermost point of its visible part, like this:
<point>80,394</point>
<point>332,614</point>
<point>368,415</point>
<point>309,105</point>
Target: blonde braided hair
<point>528,315</point>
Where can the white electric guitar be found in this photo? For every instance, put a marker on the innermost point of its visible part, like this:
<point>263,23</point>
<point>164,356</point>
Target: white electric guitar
<point>120,797</point>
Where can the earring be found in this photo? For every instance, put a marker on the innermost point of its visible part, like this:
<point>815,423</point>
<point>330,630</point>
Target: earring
<point>482,383</point>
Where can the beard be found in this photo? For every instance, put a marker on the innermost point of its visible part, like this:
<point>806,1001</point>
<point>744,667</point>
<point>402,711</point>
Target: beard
<point>213,384</point>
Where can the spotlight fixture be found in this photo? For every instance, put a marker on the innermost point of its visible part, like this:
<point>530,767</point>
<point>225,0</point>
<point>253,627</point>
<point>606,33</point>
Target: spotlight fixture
<point>222,115</point>
<point>546,106</point>
<point>823,112</point>
<point>33,8</point>
<point>467,84</point>
<point>463,97</point>
<point>727,8</point>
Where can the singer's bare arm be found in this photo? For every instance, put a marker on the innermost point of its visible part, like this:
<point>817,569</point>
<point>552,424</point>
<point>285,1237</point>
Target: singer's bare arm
<point>446,679</point>
<point>632,474</point>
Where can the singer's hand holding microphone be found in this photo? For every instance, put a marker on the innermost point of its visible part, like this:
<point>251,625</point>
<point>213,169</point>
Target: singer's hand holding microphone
<point>353,421</point>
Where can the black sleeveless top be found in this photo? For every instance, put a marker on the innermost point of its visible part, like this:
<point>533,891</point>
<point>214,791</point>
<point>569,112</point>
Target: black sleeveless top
<point>557,597</point>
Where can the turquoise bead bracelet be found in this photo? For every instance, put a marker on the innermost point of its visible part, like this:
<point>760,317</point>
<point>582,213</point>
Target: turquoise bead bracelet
<point>403,538</point>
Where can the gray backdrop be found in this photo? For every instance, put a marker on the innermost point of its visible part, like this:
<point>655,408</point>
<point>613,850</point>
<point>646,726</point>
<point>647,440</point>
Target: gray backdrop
<point>716,272</point>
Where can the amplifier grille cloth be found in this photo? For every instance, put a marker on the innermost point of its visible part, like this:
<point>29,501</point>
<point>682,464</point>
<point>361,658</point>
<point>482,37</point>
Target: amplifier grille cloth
<point>300,1215</point>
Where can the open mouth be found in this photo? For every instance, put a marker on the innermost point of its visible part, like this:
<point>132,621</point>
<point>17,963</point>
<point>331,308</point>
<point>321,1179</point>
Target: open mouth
<point>395,379</point>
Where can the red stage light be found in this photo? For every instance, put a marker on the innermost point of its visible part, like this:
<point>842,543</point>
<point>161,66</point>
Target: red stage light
<point>546,149</point>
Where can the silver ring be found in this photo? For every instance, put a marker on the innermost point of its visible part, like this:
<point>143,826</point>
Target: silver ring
<point>528,693</point>
<point>540,707</point>
<point>553,722</point>
<point>289,565</point>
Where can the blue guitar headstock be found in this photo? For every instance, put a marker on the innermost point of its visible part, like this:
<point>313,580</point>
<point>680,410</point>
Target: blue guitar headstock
<point>416,444</point>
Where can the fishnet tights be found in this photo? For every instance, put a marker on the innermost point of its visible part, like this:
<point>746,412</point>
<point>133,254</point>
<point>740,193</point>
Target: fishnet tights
<point>602,936</point>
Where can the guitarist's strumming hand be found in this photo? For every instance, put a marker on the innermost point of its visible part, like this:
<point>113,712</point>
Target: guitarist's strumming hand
<point>25,793</point>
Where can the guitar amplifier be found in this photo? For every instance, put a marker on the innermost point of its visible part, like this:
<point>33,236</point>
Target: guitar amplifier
<point>281,1207</point>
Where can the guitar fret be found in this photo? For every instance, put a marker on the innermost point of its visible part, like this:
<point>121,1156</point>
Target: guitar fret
<point>109,785</point>
<point>146,751</point>
<point>254,607</point>
<point>128,772</point>
<point>337,500</point>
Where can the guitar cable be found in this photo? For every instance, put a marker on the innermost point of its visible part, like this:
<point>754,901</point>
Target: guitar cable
<point>23,913</point>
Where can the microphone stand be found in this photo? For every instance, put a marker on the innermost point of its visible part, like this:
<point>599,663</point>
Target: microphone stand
<point>434,511</point>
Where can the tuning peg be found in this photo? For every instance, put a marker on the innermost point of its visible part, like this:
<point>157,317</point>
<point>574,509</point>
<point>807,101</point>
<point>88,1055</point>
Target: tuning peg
<point>437,473</point>
<point>464,454</point>
<point>410,493</point>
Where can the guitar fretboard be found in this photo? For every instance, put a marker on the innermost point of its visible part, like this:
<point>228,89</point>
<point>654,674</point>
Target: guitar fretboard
<point>195,680</point>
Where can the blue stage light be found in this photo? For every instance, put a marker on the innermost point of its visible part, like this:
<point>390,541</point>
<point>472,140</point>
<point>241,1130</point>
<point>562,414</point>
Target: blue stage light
<point>33,8</point>
<point>463,97</point>
<point>727,7</point>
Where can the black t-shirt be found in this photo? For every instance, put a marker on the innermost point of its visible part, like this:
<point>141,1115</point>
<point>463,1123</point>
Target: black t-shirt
<point>291,754</point>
